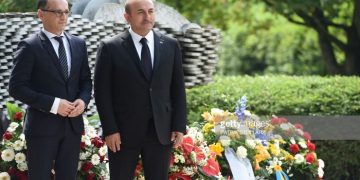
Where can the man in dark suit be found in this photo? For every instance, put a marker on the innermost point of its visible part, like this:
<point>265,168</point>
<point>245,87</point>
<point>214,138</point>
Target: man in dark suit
<point>52,76</point>
<point>140,95</point>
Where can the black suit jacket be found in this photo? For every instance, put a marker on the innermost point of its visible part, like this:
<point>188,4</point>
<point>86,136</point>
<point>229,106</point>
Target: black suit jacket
<point>36,80</point>
<point>126,99</point>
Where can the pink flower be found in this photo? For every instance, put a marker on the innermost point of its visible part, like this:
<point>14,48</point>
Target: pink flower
<point>187,144</point>
<point>212,168</point>
<point>277,120</point>
<point>307,136</point>
<point>298,126</point>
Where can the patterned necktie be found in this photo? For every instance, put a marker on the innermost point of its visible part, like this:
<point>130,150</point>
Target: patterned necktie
<point>62,56</point>
<point>146,58</point>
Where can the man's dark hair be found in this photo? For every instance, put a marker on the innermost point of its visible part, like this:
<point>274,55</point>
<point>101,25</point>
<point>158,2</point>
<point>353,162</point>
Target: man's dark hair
<point>42,4</point>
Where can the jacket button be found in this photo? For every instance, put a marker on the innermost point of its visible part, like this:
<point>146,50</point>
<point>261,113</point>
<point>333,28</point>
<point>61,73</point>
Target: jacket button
<point>150,89</point>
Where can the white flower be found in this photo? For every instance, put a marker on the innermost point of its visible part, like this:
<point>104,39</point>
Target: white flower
<point>250,143</point>
<point>95,159</point>
<point>12,126</point>
<point>300,132</point>
<point>320,172</point>
<point>302,144</point>
<point>188,171</point>
<point>299,159</point>
<point>285,126</point>
<point>292,140</point>
<point>103,150</point>
<point>22,137</point>
<point>18,145</point>
<point>20,157</point>
<point>4,176</point>
<point>90,131</point>
<point>86,140</point>
<point>86,122</point>
<point>321,163</point>
<point>84,156</point>
<point>8,155</point>
<point>241,152</point>
<point>179,158</point>
<point>22,166</point>
<point>225,141</point>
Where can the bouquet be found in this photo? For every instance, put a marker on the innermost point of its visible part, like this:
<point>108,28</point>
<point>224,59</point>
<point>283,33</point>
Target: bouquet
<point>13,164</point>
<point>273,148</point>
<point>194,159</point>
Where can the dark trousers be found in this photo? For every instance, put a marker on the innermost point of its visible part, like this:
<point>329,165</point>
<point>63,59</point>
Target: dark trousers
<point>155,159</point>
<point>60,152</point>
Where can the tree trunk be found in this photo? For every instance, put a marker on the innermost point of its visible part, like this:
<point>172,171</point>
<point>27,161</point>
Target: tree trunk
<point>356,17</point>
<point>352,53</point>
<point>327,52</point>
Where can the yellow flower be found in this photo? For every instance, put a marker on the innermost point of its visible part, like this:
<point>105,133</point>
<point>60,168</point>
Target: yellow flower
<point>274,149</point>
<point>261,153</point>
<point>216,148</point>
<point>234,135</point>
<point>277,168</point>
<point>289,157</point>
<point>207,127</point>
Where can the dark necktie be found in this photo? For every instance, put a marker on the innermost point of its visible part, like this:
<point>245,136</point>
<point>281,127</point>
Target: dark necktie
<point>146,58</point>
<point>62,56</point>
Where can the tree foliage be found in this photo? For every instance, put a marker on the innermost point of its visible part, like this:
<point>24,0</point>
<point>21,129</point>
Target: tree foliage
<point>18,5</point>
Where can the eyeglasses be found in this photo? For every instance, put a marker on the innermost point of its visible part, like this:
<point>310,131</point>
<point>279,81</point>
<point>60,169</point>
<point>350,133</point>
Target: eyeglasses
<point>58,13</point>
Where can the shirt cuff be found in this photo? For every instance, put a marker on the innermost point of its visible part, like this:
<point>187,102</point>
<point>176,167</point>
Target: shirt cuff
<point>55,106</point>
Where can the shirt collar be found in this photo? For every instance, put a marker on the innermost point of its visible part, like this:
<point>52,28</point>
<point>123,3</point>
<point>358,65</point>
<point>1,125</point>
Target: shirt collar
<point>136,37</point>
<point>50,35</point>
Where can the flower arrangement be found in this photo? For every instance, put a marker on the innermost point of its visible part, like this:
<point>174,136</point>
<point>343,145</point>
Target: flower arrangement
<point>13,164</point>
<point>275,148</point>
<point>194,159</point>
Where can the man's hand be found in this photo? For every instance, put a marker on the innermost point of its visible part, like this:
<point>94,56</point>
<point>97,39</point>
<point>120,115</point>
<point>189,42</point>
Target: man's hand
<point>79,108</point>
<point>65,107</point>
<point>177,138</point>
<point>113,141</point>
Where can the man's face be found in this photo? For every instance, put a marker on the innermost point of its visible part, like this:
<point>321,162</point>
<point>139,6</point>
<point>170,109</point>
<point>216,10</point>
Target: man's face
<point>53,17</point>
<point>141,16</point>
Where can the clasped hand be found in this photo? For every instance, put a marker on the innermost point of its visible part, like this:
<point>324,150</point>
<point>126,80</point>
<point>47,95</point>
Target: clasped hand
<point>71,109</point>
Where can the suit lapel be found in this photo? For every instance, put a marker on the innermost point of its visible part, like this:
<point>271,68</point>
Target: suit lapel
<point>158,43</point>
<point>50,49</point>
<point>72,46</point>
<point>130,47</point>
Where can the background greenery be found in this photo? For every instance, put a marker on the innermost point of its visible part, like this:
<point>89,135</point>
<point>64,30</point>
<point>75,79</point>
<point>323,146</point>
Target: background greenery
<point>290,95</point>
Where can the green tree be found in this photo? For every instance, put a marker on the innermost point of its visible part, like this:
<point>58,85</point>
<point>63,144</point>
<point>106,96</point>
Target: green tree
<point>18,5</point>
<point>337,24</point>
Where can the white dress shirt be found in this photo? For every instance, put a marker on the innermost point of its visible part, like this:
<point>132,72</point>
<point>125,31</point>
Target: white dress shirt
<point>55,44</point>
<point>150,41</point>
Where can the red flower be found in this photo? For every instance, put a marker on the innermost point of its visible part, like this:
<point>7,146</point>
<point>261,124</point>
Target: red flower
<point>311,146</point>
<point>277,120</point>
<point>177,176</point>
<point>138,169</point>
<point>187,144</point>
<point>199,154</point>
<point>310,158</point>
<point>97,142</point>
<point>17,116</point>
<point>87,166</point>
<point>294,148</point>
<point>90,176</point>
<point>299,126</point>
<point>82,145</point>
<point>7,135</point>
<point>172,160</point>
<point>21,175</point>
<point>11,171</point>
<point>307,136</point>
<point>102,158</point>
<point>212,168</point>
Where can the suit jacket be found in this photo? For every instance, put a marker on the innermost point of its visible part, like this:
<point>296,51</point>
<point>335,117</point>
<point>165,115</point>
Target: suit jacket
<point>36,80</point>
<point>126,100</point>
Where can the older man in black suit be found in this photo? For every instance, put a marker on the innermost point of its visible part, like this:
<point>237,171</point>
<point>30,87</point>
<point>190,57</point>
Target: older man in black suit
<point>52,76</point>
<point>140,95</point>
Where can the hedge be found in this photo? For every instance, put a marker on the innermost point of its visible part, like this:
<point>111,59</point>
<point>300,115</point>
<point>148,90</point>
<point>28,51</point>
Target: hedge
<point>290,95</point>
